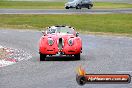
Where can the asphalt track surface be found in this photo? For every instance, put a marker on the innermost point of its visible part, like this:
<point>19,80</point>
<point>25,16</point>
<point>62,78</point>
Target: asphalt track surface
<point>101,54</point>
<point>64,11</point>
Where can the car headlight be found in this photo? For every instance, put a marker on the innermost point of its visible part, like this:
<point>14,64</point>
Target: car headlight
<point>50,41</point>
<point>70,42</point>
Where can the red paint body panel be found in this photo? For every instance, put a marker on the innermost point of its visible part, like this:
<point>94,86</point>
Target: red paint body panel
<point>47,49</point>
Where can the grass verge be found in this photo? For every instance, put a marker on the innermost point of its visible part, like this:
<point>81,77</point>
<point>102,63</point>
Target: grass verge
<point>31,5</point>
<point>110,5</point>
<point>105,23</point>
<point>56,5</point>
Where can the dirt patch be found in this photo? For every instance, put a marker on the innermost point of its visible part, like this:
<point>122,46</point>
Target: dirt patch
<point>3,53</point>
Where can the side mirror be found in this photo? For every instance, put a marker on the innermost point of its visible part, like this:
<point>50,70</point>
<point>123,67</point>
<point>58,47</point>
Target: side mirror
<point>77,34</point>
<point>44,33</point>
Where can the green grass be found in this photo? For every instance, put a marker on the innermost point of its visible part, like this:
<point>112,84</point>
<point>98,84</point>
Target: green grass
<point>31,5</point>
<point>56,5</point>
<point>108,23</point>
<point>107,5</point>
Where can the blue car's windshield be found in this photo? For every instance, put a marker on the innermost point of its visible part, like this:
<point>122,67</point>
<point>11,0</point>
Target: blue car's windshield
<point>73,0</point>
<point>70,0</point>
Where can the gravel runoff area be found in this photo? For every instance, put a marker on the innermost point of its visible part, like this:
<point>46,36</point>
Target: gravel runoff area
<point>10,56</point>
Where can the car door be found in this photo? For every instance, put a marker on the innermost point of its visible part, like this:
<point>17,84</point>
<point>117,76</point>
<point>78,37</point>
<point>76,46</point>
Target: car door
<point>85,3</point>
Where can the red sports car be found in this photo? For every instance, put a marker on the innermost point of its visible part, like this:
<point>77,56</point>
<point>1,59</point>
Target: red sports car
<point>62,40</point>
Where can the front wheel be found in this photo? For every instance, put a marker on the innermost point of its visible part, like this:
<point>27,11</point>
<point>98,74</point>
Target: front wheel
<point>77,56</point>
<point>42,57</point>
<point>66,7</point>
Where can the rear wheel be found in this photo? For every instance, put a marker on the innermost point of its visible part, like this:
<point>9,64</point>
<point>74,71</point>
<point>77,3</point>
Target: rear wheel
<point>77,56</point>
<point>42,57</point>
<point>89,6</point>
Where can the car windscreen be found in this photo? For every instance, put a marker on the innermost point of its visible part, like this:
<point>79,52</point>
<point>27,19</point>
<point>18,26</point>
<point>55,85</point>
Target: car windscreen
<point>73,0</point>
<point>51,30</point>
<point>65,30</point>
<point>70,0</point>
